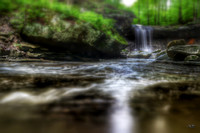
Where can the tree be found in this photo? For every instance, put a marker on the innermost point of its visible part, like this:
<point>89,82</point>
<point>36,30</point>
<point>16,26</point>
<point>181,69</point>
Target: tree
<point>159,12</point>
<point>180,12</point>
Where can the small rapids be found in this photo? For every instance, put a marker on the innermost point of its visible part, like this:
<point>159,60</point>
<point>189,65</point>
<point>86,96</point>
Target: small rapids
<point>102,97</point>
<point>45,97</point>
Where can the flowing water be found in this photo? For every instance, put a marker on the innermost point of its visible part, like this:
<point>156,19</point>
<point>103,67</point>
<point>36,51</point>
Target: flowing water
<point>95,97</point>
<point>143,38</point>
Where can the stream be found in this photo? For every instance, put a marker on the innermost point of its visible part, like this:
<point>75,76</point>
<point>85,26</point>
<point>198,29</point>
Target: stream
<point>95,97</point>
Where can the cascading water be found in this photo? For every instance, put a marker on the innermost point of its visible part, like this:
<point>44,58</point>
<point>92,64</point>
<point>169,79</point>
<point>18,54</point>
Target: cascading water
<point>143,38</point>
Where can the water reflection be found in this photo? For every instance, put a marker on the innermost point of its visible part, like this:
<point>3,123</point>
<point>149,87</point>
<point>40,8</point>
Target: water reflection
<point>160,125</point>
<point>121,119</point>
<point>112,96</point>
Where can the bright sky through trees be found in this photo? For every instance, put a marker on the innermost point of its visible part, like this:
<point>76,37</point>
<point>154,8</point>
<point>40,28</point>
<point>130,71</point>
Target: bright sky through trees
<point>128,2</point>
<point>168,3</point>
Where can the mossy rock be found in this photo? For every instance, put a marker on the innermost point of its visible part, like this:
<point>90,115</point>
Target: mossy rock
<point>160,53</point>
<point>77,38</point>
<point>37,30</point>
<point>180,52</point>
<point>162,57</point>
<point>176,43</point>
<point>192,58</point>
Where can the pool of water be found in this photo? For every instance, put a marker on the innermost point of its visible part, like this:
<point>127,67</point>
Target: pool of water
<point>95,97</point>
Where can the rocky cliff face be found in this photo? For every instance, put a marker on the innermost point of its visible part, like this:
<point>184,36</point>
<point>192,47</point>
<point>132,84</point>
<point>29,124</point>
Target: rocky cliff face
<point>123,20</point>
<point>163,35</point>
<point>186,32</point>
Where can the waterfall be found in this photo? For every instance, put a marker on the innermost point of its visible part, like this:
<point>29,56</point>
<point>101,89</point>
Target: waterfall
<point>143,38</point>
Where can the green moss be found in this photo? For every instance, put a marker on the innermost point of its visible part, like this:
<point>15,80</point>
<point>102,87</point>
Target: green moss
<point>18,20</point>
<point>42,11</point>
<point>102,24</point>
<point>17,45</point>
<point>38,30</point>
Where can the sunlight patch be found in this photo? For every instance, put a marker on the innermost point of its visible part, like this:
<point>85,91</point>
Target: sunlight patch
<point>128,2</point>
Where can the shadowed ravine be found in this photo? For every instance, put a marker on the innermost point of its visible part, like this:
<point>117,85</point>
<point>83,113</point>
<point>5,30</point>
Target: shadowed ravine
<point>114,96</point>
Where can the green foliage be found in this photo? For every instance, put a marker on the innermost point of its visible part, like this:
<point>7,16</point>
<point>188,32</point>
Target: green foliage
<point>5,5</point>
<point>166,12</point>
<point>18,21</point>
<point>102,24</point>
<point>31,11</point>
<point>17,45</point>
<point>125,51</point>
<point>113,2</point>
<point>117,37</point>
<point>98,21</point>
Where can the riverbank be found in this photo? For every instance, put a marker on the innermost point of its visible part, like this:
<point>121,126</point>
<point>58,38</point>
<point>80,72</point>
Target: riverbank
<point>58,28</point>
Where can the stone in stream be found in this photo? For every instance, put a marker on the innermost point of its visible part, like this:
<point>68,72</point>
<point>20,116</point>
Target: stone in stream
<point>139,55</point>
<point>192,58</point>
<point>90,102</point>
<point>176,43</point>
<point>163,57</point>
<point>178,50</point>
<point>30,82</point>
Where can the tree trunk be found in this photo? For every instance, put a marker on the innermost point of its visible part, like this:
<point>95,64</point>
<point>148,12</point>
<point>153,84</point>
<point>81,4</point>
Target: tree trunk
<point>148,15</point>
<point>138,11</point>
<point>69,2</point>
<point>155,13</point>
<point>158,13</point>
<point>180,19</point>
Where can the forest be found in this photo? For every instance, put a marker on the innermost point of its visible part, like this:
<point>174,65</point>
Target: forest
<point>166,12</point>
<point>147,12</point>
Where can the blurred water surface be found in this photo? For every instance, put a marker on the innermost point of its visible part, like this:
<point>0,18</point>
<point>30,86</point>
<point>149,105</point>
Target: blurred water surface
<point>97,97</point>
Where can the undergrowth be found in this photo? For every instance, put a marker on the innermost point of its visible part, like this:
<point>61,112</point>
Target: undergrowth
<point>42,10</point>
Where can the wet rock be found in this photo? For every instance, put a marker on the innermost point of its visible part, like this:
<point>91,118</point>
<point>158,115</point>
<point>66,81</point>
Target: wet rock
<point>157,51</point>
<point>176,43</point>
<point>9,50</point>
<point>8,37</point>
<point>175,32</point>
<point>192,58</point>
<point>81,104</point>
<point>32,82</point>
<point>180,52</point>
<point>123,20</point>
<point>163,57</point>
<point>26,47</point>
<point>139,54</point>
<point>160,53</point>
<point>172,90</point>
<point>156,98</point>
